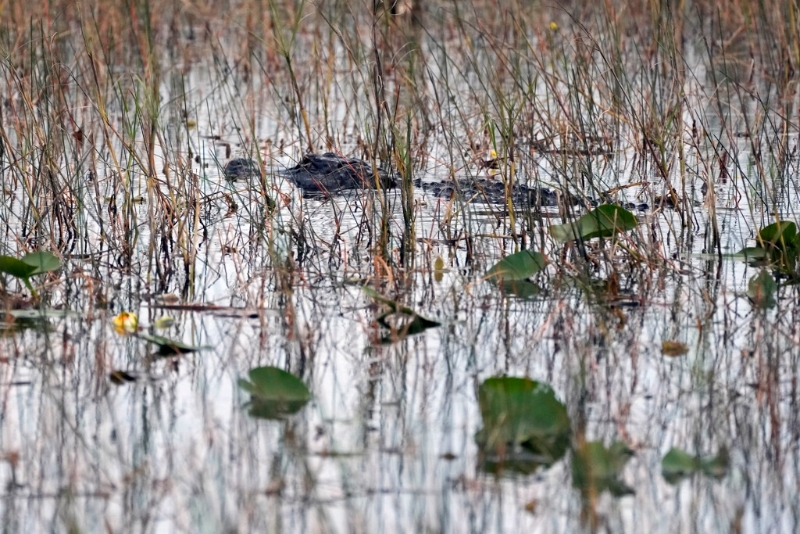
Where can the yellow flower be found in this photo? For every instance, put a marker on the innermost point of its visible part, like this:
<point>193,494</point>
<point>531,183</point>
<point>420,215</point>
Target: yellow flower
<point>126,323</point>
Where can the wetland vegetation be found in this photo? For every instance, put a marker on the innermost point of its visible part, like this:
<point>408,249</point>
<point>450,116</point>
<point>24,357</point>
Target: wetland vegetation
<point>564,303</point>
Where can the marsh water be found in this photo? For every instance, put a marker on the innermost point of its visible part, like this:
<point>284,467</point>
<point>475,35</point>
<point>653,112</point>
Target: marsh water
<point>115,128</point>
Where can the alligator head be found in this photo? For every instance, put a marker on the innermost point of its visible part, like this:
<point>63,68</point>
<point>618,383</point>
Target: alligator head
<point>330,172</point>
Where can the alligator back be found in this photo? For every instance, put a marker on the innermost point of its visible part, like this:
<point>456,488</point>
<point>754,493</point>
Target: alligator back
<point>493,191</point>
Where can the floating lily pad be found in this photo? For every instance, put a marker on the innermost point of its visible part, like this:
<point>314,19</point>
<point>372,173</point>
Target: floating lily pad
<point>754,254</point>
<point>512,272</point>
<point>596,468</point>
<point>274,393</point>
<point>678,464</point>
<point>522,421</point>
<point>781,235</point>
<point>520,288</point>
<point>776,243</point>
<point>16,267</point>
<point>519,266</point>
<point>42,262</point>
<point>603,221</point>
<point>31,264</point>
<point>170,347</point>
<point>761,289</point>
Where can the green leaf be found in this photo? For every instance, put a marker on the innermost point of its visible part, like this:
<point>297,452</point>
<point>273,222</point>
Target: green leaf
<point>16,268</point>
<point>275,384</point>
<point>511,273</point>
<point>521,413</point>
<point>781,235</point>
<point>170,347</point>
<point>520,288</point>
<point>603,221</point>
<point>42,262</point>
<point>519,266</point>
<point>596,468</point>
<point>753,254</point>
<point>716,467</point>
<point>678,464</point>
<point>761,289</point>
<point>274,392</point>
<point>776,244</point>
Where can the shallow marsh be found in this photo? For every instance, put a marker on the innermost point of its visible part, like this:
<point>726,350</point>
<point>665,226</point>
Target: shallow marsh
<point>115,123</point>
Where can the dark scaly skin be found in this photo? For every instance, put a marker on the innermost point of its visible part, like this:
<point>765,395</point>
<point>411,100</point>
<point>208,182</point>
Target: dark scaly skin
<point>489,191</point>
<point>330,172</point>
<point>320,174</point>
<point>240,169</point>
<point>493,191</point>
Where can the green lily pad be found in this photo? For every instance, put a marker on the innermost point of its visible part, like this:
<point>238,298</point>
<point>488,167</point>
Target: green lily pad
<point>596,468</point>
<point>753,254</point>
<point>42,262</point>
<point>16,267</point>
<point>603,221</point>
<point>170,347</point>
<point>761,289</point>
<point>716,466</point>
<point>274,393</point>
<point>510,278</point>
<point>34,263</point>
<point>522,289</point>
<point>678,464</point>
<point>519,266</point>
<point>776,243</point>
<point>522,420</point>
<point>781,235</point>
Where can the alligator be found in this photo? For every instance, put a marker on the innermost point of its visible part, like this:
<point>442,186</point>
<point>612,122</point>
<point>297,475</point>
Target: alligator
<point>318,173</point>
<point>489,191</point>
<point>241,168</point>
<point>323,174</point>
<point>330,173</point>
<point>493,191</point>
